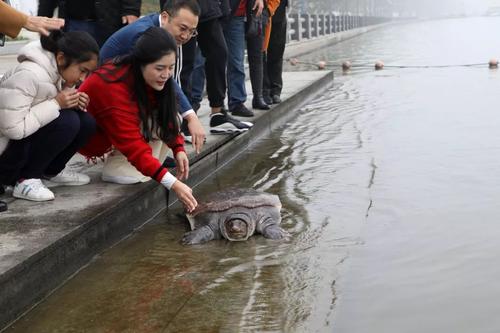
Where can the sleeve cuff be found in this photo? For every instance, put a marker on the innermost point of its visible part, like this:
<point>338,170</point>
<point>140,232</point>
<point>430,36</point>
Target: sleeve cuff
<point>187,113</point>
<point>168,180</point>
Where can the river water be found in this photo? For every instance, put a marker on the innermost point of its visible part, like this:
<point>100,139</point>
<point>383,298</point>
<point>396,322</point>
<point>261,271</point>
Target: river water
<point>390,188</point>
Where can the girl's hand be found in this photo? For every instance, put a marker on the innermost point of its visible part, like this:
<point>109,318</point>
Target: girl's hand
<point>68,98</point>
<point>182,165</point>
<point>185,195</point>
<point>83,101</point>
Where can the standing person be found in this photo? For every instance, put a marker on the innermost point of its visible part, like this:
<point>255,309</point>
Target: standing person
<point>42,118</point>
<point>179,18</point>
<point>99,18</point>
<point>133,101</point>
<point>273,64</point>
<point>234,32</point>
<point>12,21</point>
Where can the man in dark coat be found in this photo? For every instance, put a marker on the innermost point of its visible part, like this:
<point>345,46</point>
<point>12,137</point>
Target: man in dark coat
<point>99,18</point>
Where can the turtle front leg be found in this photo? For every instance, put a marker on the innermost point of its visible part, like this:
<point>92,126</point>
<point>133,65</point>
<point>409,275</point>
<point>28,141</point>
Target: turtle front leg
<point>273,231</point>
<point>198,236</point>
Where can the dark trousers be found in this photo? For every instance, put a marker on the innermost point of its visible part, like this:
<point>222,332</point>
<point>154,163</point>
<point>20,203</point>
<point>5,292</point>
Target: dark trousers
<point>46,151</point>
<point>100,32</point>
<point>213,47</point>
<point>256,63</point>
<point>273,67</point>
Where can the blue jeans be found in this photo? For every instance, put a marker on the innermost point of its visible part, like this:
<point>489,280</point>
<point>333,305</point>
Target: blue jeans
<point>198,78</point>
<point>234,32</point>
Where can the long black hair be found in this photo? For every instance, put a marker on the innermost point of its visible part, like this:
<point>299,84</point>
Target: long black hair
<point>76,46</point>
<point>162,120</point>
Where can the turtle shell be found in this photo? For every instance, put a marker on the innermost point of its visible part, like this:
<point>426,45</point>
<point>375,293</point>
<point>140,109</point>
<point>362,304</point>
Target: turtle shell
<point>235,197</point>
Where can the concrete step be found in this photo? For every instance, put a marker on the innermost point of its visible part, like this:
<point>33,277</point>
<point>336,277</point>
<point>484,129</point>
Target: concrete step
<point>44,244</point>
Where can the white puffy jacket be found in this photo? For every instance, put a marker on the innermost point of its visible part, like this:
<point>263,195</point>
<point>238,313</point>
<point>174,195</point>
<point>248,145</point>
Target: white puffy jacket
<point>27,94</point>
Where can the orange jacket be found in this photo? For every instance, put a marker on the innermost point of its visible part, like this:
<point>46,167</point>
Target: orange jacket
<point>272,5</point>
<point>11,20</point>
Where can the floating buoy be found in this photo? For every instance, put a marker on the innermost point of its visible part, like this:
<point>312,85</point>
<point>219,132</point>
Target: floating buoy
<point>379,65</point>
<point>493,63</point>
<point>321,64</point>
<point>346,65</point>
<point>294,61</point>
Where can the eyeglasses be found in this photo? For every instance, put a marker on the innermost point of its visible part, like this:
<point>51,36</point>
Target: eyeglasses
<point>189,32</point>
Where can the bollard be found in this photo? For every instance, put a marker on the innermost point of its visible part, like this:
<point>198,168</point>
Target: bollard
<point>379,65</point>
<point>493,63</point>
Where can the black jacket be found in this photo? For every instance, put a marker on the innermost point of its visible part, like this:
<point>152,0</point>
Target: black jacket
<point>107,12</point>
<point>212,9</point>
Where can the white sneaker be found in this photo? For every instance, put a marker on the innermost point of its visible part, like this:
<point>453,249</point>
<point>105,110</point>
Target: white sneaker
<point>32,189</point>
<point>124,180</point>
<point>69,178</point>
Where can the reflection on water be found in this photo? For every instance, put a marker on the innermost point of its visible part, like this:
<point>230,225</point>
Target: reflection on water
<point>388,184</point>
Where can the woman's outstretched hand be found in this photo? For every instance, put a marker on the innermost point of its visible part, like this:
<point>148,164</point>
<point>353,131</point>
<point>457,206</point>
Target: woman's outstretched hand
<point>185,195</point>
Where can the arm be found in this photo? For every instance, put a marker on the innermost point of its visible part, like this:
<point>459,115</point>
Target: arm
<point>18,118</point>
<point>11,20</point>
<point>195,128</point>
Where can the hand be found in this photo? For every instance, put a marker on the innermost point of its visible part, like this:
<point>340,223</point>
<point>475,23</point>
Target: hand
<point>127,19</point>
<point>83,101</point>
<point>197,131</point>
<point>259,6</point>
<point>185,195</point>
<point>68,98</point>
<point>43,24</point>
<point>182,165</point>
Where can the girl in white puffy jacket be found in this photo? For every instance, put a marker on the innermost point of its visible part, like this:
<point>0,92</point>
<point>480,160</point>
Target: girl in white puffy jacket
<point>43,121</point>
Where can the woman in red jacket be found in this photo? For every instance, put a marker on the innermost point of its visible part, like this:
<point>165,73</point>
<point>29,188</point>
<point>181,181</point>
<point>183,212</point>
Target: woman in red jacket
<point>133,101</point>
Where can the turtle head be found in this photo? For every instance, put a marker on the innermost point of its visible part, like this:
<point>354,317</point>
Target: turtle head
<point>237,227</point>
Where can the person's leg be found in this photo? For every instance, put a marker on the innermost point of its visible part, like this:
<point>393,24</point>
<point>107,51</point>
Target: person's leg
<point>256,69</point>
<point>13,160</point>
<point>197,80</point>
<point>188,58</point>
<point>85,126</point>
<point>275,53</point>
<point>213,47</point>
<point>234,32</point>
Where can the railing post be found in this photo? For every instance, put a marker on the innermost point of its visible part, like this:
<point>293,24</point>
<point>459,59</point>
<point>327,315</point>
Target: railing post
<point>308,25</point>
<point>292,28</point>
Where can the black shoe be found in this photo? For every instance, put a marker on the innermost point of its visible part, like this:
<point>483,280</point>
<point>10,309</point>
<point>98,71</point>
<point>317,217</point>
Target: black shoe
<point>276,99</point>
<point>258,103</point>
<point>3,206</point>
<point>221,123</point>
<point>241,110</point>
<point>267,99</point>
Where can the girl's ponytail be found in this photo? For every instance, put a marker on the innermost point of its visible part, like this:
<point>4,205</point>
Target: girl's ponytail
<point>49,42</point>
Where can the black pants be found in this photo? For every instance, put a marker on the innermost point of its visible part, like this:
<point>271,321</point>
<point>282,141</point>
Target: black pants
<point>46,151</point>
<point>273,68</point>
<point>256,63</point>
<point>213,47</point>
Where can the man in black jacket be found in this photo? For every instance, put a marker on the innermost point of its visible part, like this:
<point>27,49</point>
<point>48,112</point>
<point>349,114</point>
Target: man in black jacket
<point>99,18</point>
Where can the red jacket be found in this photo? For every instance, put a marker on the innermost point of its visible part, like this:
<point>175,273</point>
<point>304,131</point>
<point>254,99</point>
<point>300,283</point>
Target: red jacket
<point>118,124</point>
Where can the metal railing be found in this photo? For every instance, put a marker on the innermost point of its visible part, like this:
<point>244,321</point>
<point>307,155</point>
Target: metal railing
<point>307,26</point>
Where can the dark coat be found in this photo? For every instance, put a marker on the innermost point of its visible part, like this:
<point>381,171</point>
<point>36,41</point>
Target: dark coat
<point>107,12</point>
<point>212,9</point>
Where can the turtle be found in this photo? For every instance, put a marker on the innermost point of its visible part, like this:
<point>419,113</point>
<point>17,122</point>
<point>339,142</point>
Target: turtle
<point>235,214</point>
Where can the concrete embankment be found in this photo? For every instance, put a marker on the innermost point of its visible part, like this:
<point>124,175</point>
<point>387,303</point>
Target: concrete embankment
<point>44,244</point>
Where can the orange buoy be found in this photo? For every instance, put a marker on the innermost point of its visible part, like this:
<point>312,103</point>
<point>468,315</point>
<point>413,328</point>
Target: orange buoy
<point>493,63</point>
<point>379,65</point>
<point>321,64</point>
<point>346,65</point>
<point>294,61</point>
